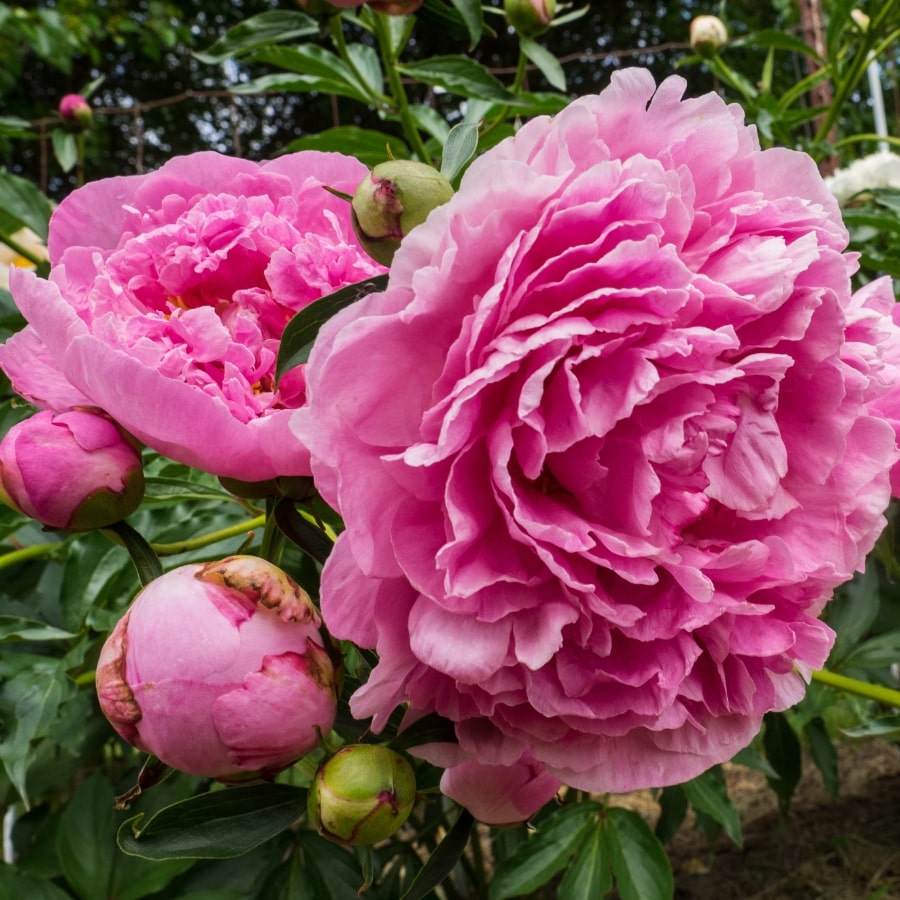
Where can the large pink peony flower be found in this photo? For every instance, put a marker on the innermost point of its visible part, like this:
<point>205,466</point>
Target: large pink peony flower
<point>168,296</point>
<point>606,443</point>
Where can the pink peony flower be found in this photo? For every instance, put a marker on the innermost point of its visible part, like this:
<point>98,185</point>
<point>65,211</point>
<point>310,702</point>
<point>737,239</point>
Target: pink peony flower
<point>219,670</point>
<point>72,470</point>
<point>606,443</point>
<point>168,296</point>
<point>500,795</point>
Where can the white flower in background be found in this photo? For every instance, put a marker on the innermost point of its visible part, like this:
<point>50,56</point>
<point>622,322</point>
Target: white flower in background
<point>879,170</point>
<point>9,257</point>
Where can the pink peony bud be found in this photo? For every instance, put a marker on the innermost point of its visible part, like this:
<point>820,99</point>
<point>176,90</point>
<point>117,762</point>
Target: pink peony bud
<point>74,470</point>
<point>76,112</point>
<point>391,200</point>
<point>529,17</point>
<point>362,794</point>
<point>220,670</point>
<point>500,795</point>
<point>708,34</point>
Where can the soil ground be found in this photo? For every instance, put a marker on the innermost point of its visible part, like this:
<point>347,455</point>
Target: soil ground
<point>846,848</point>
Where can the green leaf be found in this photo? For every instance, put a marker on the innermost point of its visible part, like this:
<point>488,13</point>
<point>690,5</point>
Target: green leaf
<point>459,75</point>
<point>709,794</point>
<point>217,825</point>
<point>673,807</point>
<point>65,148</point>
<point>368,146</point>
<point>84,839</point>
<point>14,883</point>
<point>853,611</point>
<point>305,534</point>
<point>368,65</point>
<point>823,753</point>
<point>22,202</point>
<point>431,122</point>
<point>884,727</point>
<point>546,62</point>
<point>167,490</point>
<point>752,759</point>
<point>34,697</point>
<point>430,729</point>
<point>875,653</point>
<point>317,65</point>
<point>273,26</point>
<point>545,852</point>
<point>471,14</point>
<point>462,142</point>
<point>334,871</point>
<point>15,628</point>
<point>639,861</point>
<point>301,331</point>
<point>783,752</point>
<point>444,858</point>
<point>778,40</point>
<point>589,875</point>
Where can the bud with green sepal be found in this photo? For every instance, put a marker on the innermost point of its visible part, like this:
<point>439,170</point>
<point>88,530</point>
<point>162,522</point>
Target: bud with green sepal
<point>362,794</point>
<point>391,200</point>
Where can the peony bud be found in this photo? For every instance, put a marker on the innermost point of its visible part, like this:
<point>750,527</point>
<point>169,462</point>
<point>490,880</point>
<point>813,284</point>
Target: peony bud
<point>74,470</point>
<point>860,19</point>
<point>529,17</point>
<point>393,198</point>
<point>75,112</point>
<point>220,670</point>
<point>708,34</point>
<point>362,794</point>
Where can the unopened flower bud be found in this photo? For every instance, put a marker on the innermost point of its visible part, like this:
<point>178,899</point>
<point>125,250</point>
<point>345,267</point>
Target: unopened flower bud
<point>74,470</point>
<point>708,34</point>
<point>529,17</point>
<point>220,670</point>
<point>75,112</point>
<point>391,200</point>
<point>860,19</point>
<point>362,794</point>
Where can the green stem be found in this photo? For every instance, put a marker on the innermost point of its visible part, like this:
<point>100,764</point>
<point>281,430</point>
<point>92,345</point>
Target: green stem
<point>14,557</point>
<point>887,696</point>
<point>399,99</point>
<point>145,560</point>
<point>212,538</point>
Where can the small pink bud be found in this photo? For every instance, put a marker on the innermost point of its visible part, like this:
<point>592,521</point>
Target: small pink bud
<point>391,200</point>
<point>708,34</point>
<point>76,112</point>
<point>220,670</point>
<point>362,794</point>
<point>529,17</point>
<point>74,470</point>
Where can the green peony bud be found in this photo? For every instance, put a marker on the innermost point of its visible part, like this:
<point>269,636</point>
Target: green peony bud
<point>529,17</point>
<point>391,200</point>
<point>362,794</point>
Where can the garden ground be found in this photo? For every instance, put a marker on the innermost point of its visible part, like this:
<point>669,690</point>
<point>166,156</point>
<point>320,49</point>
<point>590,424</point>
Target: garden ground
<point>826,849</point>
